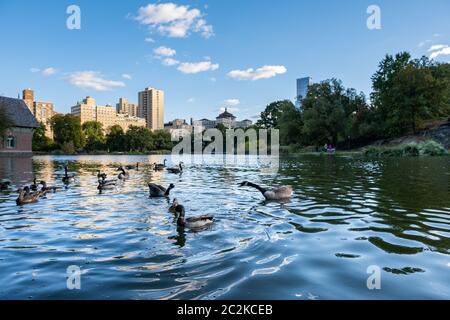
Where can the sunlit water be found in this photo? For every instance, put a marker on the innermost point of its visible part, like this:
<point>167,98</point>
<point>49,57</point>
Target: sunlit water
<point>346,214</point>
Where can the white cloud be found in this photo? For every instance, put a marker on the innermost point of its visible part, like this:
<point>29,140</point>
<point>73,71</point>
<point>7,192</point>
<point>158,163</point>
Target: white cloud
<point>191,68</point>
<point>232,102</point>
<point>439,50</point>
<point>35,70</point>
<point>423,43</point>
<point>49,71</point>
<point>173,20</point>
<point>437,47</point>
<point>170,62</point>
<point>150,40</point>
<point>165,52</point>
<point>126,76</point>
<point>264,72</point>
<point>93,80</point>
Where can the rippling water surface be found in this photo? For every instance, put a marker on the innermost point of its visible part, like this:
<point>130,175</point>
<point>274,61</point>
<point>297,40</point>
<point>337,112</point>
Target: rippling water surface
<point>347,214</point>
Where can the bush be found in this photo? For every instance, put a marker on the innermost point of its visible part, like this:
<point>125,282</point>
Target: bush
<point>432,148</point>
<point>429,148</point>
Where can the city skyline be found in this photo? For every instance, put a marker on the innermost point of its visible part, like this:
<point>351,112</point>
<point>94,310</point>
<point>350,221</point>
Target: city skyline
<point>119,51</point>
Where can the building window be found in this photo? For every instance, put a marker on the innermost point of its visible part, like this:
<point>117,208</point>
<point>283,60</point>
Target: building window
<point>10,142</point>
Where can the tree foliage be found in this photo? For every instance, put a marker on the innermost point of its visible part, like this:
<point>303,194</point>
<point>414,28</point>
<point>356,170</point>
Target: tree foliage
<point>67,130</point>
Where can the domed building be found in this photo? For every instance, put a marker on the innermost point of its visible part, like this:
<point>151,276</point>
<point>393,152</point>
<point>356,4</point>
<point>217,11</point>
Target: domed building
<point>227,119</point>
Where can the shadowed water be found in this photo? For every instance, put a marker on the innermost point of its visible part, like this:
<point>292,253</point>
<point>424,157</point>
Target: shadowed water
<point>346,214</point>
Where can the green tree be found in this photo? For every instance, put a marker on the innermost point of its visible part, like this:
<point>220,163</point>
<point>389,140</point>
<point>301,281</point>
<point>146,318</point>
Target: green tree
<point>408,92</point>
<point>67,129</point>
<point>271,115</point>
<point>163,140</point>
<point>140,139</point>
<point>291,126</point>
<point>116,140</point>
<point>40,141</point>
<point>95,138</point>
<point>418,95</point>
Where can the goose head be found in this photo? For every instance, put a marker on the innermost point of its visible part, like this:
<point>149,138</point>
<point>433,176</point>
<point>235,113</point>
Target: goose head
<point>244,184</point>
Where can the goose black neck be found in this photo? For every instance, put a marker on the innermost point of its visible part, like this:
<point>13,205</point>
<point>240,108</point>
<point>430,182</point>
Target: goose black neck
<point>168,190</point>
<point>261,189</point>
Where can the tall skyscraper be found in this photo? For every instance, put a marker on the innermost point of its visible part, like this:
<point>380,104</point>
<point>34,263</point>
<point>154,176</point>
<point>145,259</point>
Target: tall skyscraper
<point>302,89</point>
<point>151,108</point>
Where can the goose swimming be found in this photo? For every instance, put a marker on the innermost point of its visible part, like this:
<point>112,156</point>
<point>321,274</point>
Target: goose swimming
<point>157,191</point>
<point>67,179</point>
<point>160,167</point>
<point>123,175</point>
<point>178,169</point>
<point>4,185</point>
<point>193,222</point>
<point>282,193</point>
<point>46,188</point>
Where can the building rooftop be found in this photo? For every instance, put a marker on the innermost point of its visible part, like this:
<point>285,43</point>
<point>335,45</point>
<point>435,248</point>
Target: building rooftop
<point>18,112</point>
<point>226,115</point>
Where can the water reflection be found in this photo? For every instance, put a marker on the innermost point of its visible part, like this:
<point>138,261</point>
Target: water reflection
<point>346,214</point>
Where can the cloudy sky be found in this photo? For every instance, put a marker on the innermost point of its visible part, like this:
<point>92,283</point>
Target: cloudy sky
<point>206,54</point>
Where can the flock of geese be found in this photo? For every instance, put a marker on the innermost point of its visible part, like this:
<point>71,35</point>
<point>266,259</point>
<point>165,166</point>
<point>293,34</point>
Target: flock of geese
<point>35,191</point>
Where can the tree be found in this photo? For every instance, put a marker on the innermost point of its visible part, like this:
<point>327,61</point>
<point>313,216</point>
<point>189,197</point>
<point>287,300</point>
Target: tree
<point>116,139</point>
<point>5,122</point>
<point>408,92</point>
<point>67,129</point>
<point>163,140</point>
<point>418,95</point>
<point>291,125</point>
<point>40,141</point>
<point>271,115</point>
<point>139,139</point>
<point>95,138</point>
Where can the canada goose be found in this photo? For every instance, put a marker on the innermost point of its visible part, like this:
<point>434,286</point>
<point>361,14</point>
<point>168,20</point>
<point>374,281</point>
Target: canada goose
<point>34,186</point>
<point>157,191</point>
<point>282,193</point>
<point>4,185</point>
<point>194,222</point>
<point>178,169</point>
<point>27,197</point>
<point>105,186</point>
<point>67,179</point>
<point>46,188</point>
<point>160,167</point>
<point>105,182</point>
<point>123,175</point>
<point>174,206</point>
<point>133,167</point>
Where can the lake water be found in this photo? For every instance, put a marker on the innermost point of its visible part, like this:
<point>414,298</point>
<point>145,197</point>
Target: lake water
<point>347,214</point>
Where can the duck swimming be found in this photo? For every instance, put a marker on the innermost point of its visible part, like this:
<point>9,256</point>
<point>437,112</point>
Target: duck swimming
<point>123,175</point>
<point>105,186</point>
<point>194,222</point>
<point>282,193</point>
<point>27,197</point>
<point>177,170</point>
<point>157,191</point>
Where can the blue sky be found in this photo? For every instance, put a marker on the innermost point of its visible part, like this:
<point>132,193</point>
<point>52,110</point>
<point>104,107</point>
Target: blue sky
<point>211,45</point>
